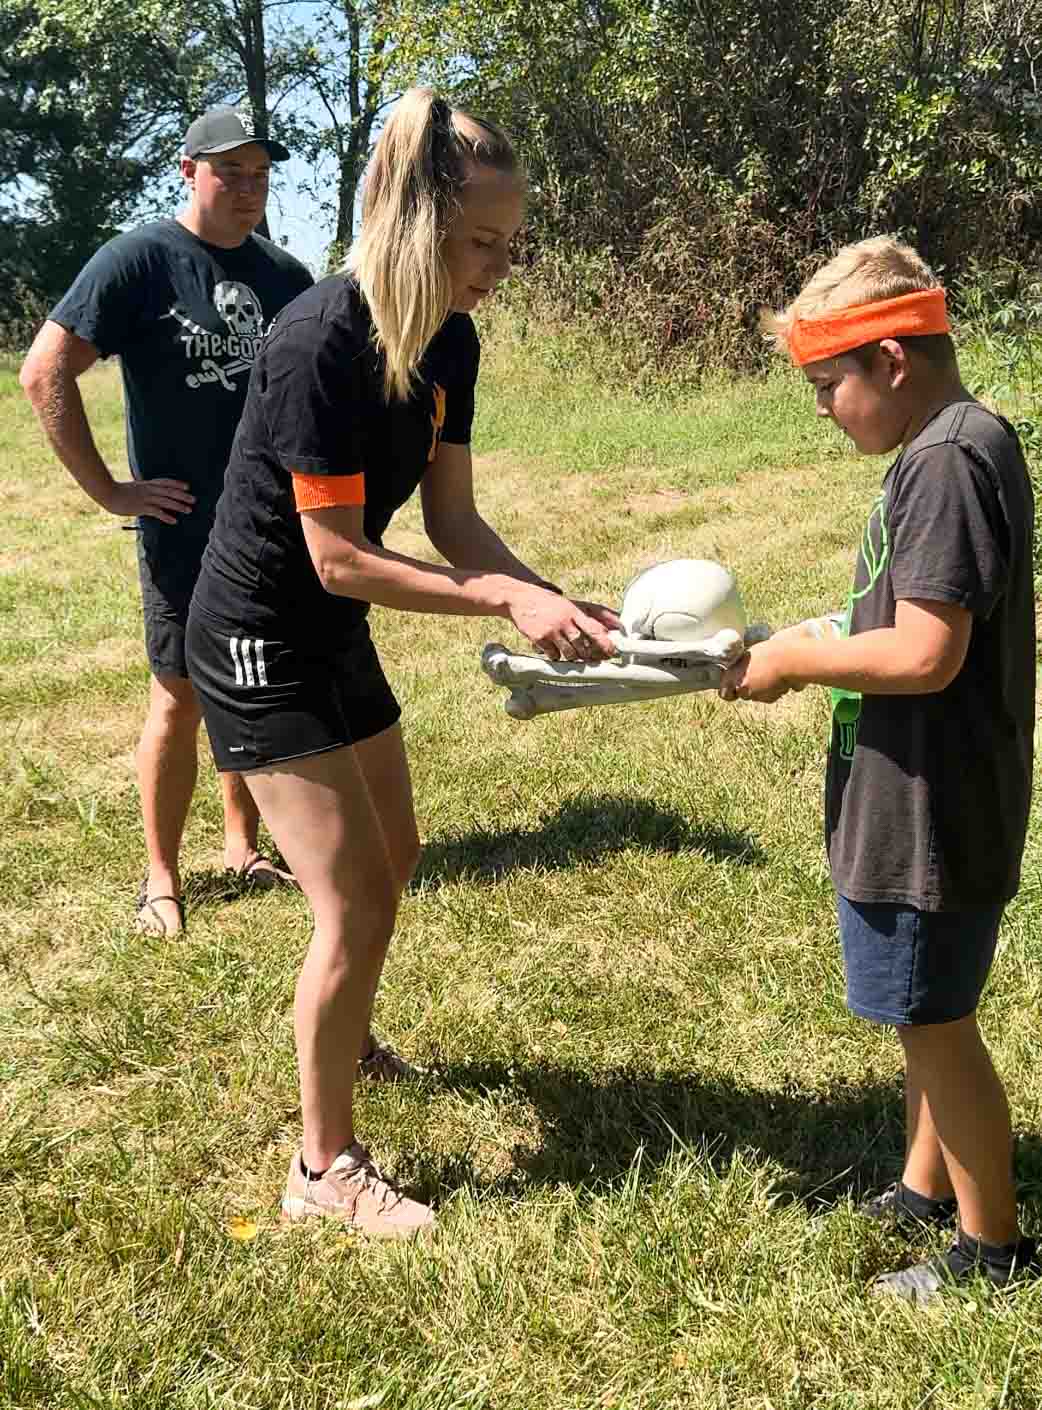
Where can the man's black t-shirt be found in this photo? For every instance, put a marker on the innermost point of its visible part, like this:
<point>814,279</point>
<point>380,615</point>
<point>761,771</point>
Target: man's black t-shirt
<point>186,319</point>
<point>316,407</point>
<point>928,795</point>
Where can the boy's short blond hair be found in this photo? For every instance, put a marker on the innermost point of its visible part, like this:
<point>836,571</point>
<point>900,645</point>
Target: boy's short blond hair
<point>863,273</point>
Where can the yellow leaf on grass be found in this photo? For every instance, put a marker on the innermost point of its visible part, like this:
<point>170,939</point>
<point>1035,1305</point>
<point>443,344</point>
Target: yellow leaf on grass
<point>241,1229</point>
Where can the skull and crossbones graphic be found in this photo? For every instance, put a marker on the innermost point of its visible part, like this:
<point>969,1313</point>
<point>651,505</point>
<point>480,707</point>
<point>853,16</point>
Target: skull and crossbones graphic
<point>241,312</point>
<point>240,308</point>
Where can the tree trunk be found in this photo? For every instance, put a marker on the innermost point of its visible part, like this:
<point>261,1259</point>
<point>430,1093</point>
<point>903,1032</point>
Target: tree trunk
<point>347,193</point>
<point>254,57</point>
<point>365,94</point>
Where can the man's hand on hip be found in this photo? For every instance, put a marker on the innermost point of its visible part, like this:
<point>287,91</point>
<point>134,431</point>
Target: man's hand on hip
<point>164,500</point>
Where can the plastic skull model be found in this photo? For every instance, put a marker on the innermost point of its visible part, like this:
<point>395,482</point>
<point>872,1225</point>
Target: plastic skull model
<point>685,599</point>
<point>683,625</point>
<point>240,308</point>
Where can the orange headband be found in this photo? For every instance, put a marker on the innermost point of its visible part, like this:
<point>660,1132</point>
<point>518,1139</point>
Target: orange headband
<point>909,316</point>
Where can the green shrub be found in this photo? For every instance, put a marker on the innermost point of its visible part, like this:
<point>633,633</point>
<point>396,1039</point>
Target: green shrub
<point>22,310</point>
<point>690,161</point>
<point>1000,310</point>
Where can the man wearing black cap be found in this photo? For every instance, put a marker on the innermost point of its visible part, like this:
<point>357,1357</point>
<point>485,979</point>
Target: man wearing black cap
<point>184,304</point>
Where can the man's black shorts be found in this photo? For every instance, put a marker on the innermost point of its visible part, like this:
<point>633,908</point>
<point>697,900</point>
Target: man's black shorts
<point>168,572</point>
<point>266,701</point>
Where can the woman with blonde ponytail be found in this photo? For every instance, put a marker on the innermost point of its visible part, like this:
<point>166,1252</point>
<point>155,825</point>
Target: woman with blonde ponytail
<point>362,392</point>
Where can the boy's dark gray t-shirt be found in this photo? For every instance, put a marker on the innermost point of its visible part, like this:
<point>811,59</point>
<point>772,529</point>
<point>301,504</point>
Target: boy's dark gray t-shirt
<point>186,319</point>
<point>927,796</point>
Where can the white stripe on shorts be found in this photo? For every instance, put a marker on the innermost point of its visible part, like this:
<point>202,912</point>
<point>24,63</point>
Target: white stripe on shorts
<point>258,651</point>
<point>246,662</point>
<point>233,647</point>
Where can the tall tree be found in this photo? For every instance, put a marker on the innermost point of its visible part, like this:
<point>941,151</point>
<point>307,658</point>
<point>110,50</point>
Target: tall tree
<point>89,94</point>
<point>356,61</point>
<point>239,28</point>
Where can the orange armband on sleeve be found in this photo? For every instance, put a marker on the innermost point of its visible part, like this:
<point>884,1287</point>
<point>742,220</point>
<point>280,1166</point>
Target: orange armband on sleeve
<point>327,491</point>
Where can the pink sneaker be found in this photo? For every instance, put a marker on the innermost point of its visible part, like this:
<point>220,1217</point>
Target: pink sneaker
<point>354,1191</point>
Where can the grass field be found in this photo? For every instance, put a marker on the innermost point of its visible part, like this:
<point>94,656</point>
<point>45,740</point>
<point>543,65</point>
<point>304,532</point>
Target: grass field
<point>648,1114</point>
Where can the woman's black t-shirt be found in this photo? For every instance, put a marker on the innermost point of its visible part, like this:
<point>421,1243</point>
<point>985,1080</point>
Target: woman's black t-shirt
<point>316,407</point>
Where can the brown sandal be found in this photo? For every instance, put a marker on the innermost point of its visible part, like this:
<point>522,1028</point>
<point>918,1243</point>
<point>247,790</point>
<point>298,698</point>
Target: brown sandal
<point>263,875</point>
<point>146,905</point>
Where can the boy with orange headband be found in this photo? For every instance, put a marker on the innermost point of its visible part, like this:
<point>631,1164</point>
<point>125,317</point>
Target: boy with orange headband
<point>929,773</point>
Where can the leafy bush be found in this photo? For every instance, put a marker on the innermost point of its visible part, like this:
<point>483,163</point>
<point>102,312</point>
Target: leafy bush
<point>689,161</point>
<point>22,310</point>
<point>1001,320</point>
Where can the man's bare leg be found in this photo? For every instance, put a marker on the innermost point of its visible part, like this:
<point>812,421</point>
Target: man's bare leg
<point>241,827</point>
<point>166,770</point>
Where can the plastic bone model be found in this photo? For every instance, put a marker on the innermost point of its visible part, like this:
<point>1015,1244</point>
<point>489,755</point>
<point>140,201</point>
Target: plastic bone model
<point>683,624</point>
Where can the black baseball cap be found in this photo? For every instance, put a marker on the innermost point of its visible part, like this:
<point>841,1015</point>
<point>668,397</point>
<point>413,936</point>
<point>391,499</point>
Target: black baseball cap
<point>222,130</point>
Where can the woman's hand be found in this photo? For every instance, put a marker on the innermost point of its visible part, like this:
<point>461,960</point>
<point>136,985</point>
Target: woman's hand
<point>607,616</point>
<point>562,629</point>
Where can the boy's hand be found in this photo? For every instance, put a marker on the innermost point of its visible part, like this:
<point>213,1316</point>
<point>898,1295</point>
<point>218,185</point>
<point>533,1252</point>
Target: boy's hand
<point>827,628</point>
<point>759,675</point>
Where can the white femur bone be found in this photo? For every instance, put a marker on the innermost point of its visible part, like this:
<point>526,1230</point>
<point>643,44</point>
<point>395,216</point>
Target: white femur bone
<point>643,670</point>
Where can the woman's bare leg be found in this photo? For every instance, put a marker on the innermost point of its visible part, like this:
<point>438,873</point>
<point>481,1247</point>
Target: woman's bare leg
<point>385,769</point>
<point>321,816</point>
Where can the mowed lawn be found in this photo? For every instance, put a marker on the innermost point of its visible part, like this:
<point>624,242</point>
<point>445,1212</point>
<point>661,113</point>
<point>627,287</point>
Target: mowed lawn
<point>647,1116</point>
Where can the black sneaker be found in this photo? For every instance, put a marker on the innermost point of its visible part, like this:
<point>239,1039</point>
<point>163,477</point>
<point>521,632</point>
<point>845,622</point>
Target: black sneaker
<point>924,1282</point>
<point>906,1212</point>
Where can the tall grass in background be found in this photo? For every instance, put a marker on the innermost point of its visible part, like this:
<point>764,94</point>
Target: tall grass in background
<point>554,319</point>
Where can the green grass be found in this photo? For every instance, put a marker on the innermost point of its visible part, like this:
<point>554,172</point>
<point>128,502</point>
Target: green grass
<point>648,1114</point>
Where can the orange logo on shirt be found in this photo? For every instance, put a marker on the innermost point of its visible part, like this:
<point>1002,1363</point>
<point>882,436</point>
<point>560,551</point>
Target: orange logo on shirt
<point>437,420</point>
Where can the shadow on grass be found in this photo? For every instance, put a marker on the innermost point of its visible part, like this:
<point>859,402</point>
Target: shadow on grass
<point>205,886</point>
<point>581,830</point>
<point>844,1140</point>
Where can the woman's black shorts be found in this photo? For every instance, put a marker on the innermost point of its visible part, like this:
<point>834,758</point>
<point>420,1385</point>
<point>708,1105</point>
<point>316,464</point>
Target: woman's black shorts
<point>267,701</point>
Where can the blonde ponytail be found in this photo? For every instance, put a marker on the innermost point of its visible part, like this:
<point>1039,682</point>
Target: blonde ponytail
<point>412,195</point>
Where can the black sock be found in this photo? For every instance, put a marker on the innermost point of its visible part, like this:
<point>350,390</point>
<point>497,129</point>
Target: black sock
<point>998,1262</point>
<point>923,1206</point>
<point>310,1174</point>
